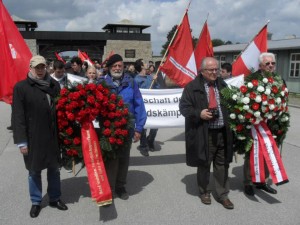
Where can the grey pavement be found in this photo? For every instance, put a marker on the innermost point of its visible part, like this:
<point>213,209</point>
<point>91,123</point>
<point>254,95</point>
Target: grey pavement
<point>162,189</point>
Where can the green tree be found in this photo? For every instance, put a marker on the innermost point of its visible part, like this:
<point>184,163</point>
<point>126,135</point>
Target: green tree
<point>169,38</point>
<point>217,42</point>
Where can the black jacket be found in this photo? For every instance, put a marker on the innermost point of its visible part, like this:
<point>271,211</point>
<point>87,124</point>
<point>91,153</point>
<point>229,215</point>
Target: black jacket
<point>34,122</point>
<point>193,101</point>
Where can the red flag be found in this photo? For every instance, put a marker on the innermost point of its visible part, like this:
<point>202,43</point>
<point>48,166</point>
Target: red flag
<point>180,63</point>
<point>84,57</point>
<point>247,61</point>
<point>14,55</point>
<point>204,46</point>
<point>59,57</point>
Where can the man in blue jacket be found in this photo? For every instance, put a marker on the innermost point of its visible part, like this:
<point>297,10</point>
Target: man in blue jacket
<point>123,85</point>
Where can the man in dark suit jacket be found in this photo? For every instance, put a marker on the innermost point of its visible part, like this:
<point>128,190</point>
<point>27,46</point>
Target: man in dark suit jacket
<point>207,133</point>
<point>35,132</point>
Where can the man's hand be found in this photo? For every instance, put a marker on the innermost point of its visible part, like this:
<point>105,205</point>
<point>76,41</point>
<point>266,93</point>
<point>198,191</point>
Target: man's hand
<point>206,114</point>
<point>136,137</point>
<point>24,150</point>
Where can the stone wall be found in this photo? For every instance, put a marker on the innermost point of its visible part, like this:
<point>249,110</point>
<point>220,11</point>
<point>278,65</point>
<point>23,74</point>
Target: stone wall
<point>31,43</point>
<point>143,49</point>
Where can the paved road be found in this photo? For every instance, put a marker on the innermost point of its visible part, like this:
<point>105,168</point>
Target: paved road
<point>162,189</point>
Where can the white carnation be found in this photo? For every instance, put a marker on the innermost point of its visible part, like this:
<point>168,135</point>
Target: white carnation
<point>246,107</point>
<point>282,93</point>
<point>265,80</point>
<point>241,137</point>
<point>246,100</point>
<point>234,97</point>
<point>241,117</point>
<point>270,116</point>
<point>268,91</point>
<point>278,100</point>
<point>258,99</point>
<point>260,89</point>
<point>271,107</point>
<point>257,114</point>
<point>250,85</point>
<point>232,116</point>
<point>248,126</point>
<point>265,103</point>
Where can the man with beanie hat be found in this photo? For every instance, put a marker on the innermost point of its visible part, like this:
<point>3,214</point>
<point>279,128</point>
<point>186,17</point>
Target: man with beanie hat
<point>123,85</point>
<point>35,132</point>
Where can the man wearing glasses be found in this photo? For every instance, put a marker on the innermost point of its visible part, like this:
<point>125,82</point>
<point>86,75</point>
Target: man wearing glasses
<point>267,64</point>
<point>208,135</point>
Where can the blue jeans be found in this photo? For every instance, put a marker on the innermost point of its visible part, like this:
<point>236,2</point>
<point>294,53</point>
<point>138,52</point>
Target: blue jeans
<point>35,185</point>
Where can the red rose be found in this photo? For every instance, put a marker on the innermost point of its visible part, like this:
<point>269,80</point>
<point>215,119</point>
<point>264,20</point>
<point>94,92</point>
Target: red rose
<point>270,80</point>
<point>91,100</point>
<point>243,89</point>
<point>100,87</point>
<point>106,132</point>
<point>118,113</point>
<point>120,103</point>
<point>112,140</point>
<point>237,111</point>
<point>264,97</point>
<point>70,116</point>
<point>79,87</point>
<point>112,107</point>
<point>106,123</point>
<point>123,121</point>
<point>119,141</point>
<point>64,91</point>
<point>124,133</point>
<point>82,92</point>
<point>255,82</point>
<point>252,95</point>
<point>99,95</point>
<point>271,101</point>
<point>255,106</point>
<point>72,152</point>
<point>248,115</point>
<point>279,132</point>
<point>274,89</point>
<point>69,131</point>
<point>113,97</point>
<point>90,86</point>
<point>76,141</point>
<point>117,124</point>
<point>267,109</point>
<point>111,115</point>
<point>283,87</point>
<point>67,142</point>
<point>239,127</point>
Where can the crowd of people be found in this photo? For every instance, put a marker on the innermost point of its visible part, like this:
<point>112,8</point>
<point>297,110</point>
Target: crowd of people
<point>209,139</point>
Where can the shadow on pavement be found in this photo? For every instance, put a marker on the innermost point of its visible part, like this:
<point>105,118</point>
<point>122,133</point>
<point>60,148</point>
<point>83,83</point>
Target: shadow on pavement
<point>157,159</point>
<point>179,137</point>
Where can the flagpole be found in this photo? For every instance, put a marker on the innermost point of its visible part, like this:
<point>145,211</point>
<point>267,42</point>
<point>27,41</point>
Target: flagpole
<point>251,41</point>
<point>174,35</point>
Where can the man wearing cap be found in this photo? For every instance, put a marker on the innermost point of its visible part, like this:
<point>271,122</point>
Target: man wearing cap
<point>35,132</point>
<point>123,85</point>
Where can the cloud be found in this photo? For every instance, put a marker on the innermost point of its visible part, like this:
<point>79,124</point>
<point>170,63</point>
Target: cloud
<point>237,21</point>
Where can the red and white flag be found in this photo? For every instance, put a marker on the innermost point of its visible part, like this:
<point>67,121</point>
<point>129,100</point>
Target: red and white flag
<point>180,63</point>
<point>59,57</point>
<point>247,62</point>
<point>14,55</point>
<point>204,46</point>
<point>84,57</point>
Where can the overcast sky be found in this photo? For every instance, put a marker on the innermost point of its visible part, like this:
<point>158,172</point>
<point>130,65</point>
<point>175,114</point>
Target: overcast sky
<point>234,20</point>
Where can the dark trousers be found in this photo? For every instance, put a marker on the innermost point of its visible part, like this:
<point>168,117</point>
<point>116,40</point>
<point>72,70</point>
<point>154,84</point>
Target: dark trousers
<point>148,139</point>
<point>117,169</point>
<point>220,169</point>
<point>247,174</point>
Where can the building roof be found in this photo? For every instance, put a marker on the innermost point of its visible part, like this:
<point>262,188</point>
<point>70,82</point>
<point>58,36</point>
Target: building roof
<point>124,23</point>
<point>293,43</point>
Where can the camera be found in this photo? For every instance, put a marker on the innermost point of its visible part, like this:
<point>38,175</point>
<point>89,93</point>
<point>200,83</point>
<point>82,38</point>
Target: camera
<point>214,112</point>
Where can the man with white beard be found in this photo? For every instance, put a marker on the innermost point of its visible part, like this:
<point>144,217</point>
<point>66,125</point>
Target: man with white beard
<point>123,84</point>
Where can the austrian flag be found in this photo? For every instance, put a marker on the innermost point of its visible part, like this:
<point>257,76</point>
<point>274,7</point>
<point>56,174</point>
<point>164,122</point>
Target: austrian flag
<point>180,63</point>
<point>247,62</point>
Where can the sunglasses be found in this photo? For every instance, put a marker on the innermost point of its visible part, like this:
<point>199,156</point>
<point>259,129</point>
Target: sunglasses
<point>270,63</point>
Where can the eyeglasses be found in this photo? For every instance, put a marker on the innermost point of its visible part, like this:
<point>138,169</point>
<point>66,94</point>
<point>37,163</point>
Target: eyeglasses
<point>212,70</point>
<point>270,63</point>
